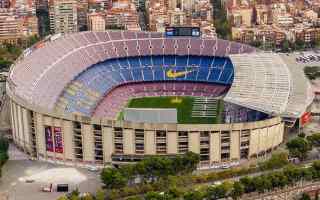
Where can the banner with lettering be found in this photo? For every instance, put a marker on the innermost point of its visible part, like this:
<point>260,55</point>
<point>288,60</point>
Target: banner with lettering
<point>58,140</point>
<point>49,139</point>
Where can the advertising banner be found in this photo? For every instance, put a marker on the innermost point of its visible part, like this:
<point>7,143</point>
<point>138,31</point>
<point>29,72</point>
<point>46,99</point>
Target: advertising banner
<point>306,118</point>
<point>49,138</point>
<point>58,140</point>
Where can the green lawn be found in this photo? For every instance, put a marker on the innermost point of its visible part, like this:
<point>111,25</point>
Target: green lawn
<point>183,106</point>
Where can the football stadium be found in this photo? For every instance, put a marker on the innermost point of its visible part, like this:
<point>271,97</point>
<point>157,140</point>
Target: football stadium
<point>95,98</point>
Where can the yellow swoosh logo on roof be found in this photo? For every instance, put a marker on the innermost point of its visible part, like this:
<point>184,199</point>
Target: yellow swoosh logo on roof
<point>173,74</point>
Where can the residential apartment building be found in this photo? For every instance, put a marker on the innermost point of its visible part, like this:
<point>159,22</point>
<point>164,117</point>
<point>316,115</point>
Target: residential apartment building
<point>96,22</point>
<point>4,3</point>
<point>63,16</point>
<point>124,15</point>
<point>15,28</point>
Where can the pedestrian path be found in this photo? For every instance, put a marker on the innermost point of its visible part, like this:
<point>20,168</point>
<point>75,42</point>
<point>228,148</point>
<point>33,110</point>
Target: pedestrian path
<point>16,154</point>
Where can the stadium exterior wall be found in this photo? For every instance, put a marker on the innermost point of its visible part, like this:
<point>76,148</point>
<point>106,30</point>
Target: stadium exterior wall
<point>216,143</point>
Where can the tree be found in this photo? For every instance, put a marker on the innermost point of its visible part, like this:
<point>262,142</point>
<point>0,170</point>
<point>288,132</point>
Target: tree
<point>262,183</point>
<point>299,44</point>
<point>306,174</point>
<point>237,191</point>
<point>219,191</point>
<point>312,72</point>
<point>193,195</point>
<point>74,197</point>
<point>276,161</point>
<point>135,198</point>
<point>63,198</point>
<point>285,46</point>
<point>87,197</point>
<point>256,43</point>
<point>190,161</point>
<point>100,195</point>
<point>278,179</point>
<point>292,173</point>
<point>303,135</point>
<point>174,192</point>
<point>317,43</point>
<point>112,178</point>
<point>316,165</point>
<point>32,40</point>
<point>299,147</point>
<point>128,171</point>
<point>316,169</point>
<point>5,63</point>
<point>153,196</point>
<point>221,23</point>
<point>314,139</point>
<point>247,182</point>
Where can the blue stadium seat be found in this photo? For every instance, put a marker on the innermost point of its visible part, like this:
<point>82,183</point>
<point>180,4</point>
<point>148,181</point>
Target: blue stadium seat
<point>114,63</point>
<point>228,64</point>
<point>126,74</point>
<point>214,74</point>
<point>147,74</point>
<point>225,75</point>
<point>202,74</point>
<point>206,61</point>
<point>137,74</point>
<point>123,62</point>
<point>194,60</point>
<point>218,62</point>
<point>181,61</point>
<point>192,76</point>
<point>134,62</point>
<point>169,60</point>
<point>145,60</point>
<point>159,74</point>
<point>157,60</point>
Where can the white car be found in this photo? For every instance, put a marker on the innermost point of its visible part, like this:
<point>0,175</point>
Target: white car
<point>225,166</point>
<point>93,169</point>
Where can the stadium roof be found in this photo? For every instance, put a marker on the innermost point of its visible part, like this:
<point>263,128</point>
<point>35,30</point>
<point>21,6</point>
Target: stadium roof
<point>269,83</point>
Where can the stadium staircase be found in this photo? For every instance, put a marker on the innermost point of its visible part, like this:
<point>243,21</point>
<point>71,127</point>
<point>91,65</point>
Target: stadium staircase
<point>204,107</point>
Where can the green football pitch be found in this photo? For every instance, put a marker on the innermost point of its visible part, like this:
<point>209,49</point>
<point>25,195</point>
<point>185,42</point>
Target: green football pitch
<point>183,106</point>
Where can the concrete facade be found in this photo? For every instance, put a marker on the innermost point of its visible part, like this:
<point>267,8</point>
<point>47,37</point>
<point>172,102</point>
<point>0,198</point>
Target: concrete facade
<point>117,141</point>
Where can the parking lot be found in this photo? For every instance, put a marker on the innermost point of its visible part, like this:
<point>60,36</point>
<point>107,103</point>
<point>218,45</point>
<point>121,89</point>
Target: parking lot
<point>23,179</point>
<point>308,57</point>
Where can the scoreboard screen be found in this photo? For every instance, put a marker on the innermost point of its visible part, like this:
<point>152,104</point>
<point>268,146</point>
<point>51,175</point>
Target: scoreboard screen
<point>183,31</point>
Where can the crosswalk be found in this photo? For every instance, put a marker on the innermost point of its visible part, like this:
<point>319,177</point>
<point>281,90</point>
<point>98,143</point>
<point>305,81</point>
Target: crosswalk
<point>204,107</point>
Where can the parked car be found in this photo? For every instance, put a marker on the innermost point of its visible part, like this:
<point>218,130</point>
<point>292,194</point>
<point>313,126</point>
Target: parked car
<point>93,169</point>
<point>29,180</point>
<point>47,188</point>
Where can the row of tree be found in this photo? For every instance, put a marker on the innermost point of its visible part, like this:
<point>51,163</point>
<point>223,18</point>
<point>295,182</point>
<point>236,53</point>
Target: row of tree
<point>149,169</point>
<point>289,176</point>
<point>178,183</point>
<point>182,180</point>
